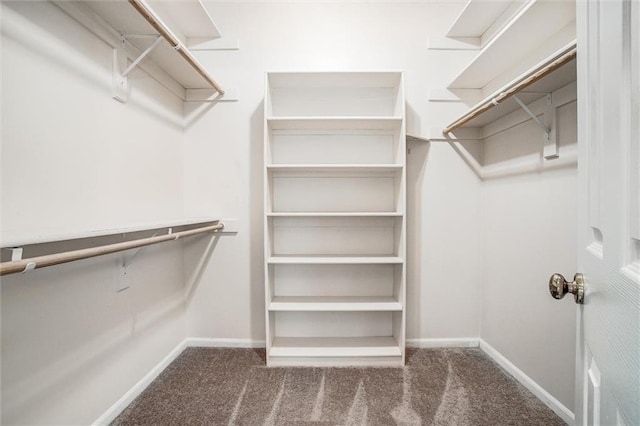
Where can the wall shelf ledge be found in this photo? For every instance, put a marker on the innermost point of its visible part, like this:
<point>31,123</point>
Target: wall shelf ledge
<point>555,72</point>
<point>127,25</point>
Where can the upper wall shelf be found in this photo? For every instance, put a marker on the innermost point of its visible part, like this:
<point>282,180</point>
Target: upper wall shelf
<point>151,34</point>
<point>549,84</point>
<point>187,18</point>
<point>557,71</point>
<point>43,236</point>
<point>535,30</point>
<point>476,18</point>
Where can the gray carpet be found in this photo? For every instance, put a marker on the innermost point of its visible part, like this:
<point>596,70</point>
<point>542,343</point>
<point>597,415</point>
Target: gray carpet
<point>459,387</point>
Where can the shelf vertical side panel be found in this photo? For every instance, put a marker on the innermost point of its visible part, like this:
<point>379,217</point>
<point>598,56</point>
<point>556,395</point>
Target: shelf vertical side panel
<point>269,270</point>
<point>402,246</point>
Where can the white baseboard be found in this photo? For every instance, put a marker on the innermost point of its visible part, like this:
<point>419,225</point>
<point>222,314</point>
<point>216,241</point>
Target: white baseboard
<point>139,387</point>
<point>544,396</point>
<point>459,342</point>
<point>206,342</point>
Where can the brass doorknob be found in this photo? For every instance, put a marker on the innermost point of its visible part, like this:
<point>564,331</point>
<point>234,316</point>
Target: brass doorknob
<point>558,287</point>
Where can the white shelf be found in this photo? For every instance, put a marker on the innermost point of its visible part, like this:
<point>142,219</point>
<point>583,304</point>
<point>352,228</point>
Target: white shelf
<point>334,79</point>
<point>111,19</point>
<point>47,236</point>
<point>334,123</point>
<point>531,27</point>
<point>358,168</point>
<point>188,18</point>
<point>335,214</point>
<point>335,347</point>
<point>476,18</point>
<point>334,304</point>
<point>558,79</point>
<point>334,260</point>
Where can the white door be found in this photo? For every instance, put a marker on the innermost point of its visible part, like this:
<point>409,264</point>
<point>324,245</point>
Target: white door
<point>608,352</point>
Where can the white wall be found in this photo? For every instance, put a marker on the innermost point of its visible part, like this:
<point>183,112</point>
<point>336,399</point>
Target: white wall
<point>529,232</point>
<point>75,159</point>
<point>223,158</point>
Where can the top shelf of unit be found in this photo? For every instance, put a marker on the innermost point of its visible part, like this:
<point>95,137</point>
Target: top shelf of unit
<point>334,94</point>
<point>333,79</point>
<point>184,19</point>
<point>538,27</point>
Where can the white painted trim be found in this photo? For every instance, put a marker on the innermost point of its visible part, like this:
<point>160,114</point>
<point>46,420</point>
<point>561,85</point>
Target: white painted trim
<point>460,342</point>
<point>209,342</point>
<point>434,134</point>
<point>454,95</point>
<point>206,44</point>
<point>210,95</point>
<point>231,226</point>
<point>412,138</point>
<point>458,43</point>
<point>544,396</point>
<point>122,403</point>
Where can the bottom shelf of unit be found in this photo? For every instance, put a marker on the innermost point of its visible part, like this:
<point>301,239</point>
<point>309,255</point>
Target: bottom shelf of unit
<point>335,347</point>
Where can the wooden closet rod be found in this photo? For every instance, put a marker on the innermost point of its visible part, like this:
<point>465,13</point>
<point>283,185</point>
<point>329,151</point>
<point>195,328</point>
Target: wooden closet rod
<point>520,84</point>
<point>166,33</point>
<point>24,265</point>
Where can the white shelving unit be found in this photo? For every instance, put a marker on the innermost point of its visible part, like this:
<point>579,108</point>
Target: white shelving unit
<point>335,225</point>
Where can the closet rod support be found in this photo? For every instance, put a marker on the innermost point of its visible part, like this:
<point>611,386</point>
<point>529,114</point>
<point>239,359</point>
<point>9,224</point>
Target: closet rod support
<point>126,261</point>
<point>149,49</point>
<point>16,253</point>
<point>533,116</point>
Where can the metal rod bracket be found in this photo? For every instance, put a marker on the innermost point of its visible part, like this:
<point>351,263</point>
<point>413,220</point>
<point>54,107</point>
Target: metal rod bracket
<point>127,260</point>
<point>120,80</point>
<point>551,148</point>
<point>532,115</point>
<point>148,50</point>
